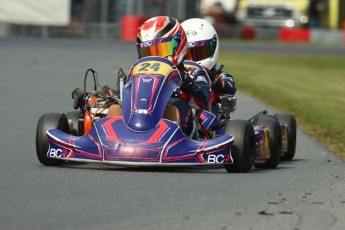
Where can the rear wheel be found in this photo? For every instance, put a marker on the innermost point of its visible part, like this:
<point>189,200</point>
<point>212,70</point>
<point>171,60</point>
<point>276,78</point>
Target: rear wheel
<point>243,149</point>
<point>273,125</point>
<point>48,121</point>
<point>290,121</point>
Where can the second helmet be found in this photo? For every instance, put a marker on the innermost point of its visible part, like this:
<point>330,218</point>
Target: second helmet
<point>202,41</point>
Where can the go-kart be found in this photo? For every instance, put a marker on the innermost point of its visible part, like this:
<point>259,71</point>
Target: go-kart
<point>140,135</point>
<point>275,135</point>
<point>280,131</point>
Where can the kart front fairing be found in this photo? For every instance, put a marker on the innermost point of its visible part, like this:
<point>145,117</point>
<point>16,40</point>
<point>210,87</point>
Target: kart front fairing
<point>141,136</point>
<point>110,141</point>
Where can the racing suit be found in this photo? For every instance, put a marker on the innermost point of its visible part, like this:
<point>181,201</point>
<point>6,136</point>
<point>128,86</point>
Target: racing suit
<point>194,93</point>
<point>222,83</point>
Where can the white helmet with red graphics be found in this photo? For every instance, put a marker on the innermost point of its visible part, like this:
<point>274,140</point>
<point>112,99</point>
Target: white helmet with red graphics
<point>202,41</point>
<point>162,36</point>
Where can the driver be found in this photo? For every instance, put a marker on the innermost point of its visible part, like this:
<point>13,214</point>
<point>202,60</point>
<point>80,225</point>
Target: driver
<point>169,41</point>
<point>203,46</point>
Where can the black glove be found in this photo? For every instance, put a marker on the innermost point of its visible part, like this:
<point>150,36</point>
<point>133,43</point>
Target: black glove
<point>218,68</point>
<point>187,84</point>
<point>213,73</point>
<point>218,85</point>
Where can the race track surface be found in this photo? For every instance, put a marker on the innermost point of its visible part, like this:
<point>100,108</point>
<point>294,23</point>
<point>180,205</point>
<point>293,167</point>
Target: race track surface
<point>38,76</point>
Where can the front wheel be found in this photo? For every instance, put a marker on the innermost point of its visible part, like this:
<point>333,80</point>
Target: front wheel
<point>49,121</point>
<point>243,149</point>
<point>73,121</point>
<point>291,123</point>
<point>275,146</point>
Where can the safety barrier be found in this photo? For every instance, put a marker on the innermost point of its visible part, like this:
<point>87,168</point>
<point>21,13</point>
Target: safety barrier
<point>288,35</point>
<point>294,35</point>
<point>126,30</point>
<point>129,27</point>
<point>344,31</point>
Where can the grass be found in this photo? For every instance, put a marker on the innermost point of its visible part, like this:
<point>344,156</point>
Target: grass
<point>310,87</point>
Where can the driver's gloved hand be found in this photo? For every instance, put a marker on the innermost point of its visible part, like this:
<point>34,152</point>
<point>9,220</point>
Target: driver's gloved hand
<point>218,68</point>
<point>218,85</point>
<point>187,84</point>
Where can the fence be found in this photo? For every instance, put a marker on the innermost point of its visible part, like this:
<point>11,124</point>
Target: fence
<point>101,19</point>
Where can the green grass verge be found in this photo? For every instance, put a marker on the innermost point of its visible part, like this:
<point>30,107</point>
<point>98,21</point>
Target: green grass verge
<point>311,87</point>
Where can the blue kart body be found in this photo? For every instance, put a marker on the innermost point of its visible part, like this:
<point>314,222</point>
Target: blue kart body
<point>110,141</point>
<point>141,136</point>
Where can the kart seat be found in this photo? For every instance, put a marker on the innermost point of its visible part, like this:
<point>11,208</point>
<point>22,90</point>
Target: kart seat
<point>171,113</point>
<point>114,110</point>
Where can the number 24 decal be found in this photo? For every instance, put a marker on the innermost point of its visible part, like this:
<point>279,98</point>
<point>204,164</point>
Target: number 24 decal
<point>146,66</point>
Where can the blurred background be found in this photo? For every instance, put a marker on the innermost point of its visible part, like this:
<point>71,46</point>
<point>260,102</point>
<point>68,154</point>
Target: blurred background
<point>285,20</point>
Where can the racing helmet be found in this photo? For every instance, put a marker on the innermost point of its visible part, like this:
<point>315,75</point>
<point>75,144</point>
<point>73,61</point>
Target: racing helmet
<point>202,41</point>
<point>162,36</point>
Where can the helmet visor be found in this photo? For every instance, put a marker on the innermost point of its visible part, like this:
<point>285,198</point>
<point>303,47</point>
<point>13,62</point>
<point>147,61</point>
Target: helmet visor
<point>162,47</point>
<point>201,50</point>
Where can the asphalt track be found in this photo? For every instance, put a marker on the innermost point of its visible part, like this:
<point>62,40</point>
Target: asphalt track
<point>38,76</point>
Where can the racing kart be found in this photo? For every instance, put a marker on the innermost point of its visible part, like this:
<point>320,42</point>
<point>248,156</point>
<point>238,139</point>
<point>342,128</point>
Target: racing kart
<point>280,130</point>
<point>275,135</point>
<point>139,135</point>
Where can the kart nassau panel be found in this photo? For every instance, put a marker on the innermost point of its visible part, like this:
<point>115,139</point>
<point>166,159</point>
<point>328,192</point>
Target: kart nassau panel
<point>152,81</point>
<point>110,141</point>
<point>262,143</point>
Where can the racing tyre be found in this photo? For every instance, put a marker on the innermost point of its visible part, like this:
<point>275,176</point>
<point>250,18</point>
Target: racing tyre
<point>275,142</point>
<point>243,149</point>
<point>73,121</point>
<point>291,123</point>
<point>49,121</point>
